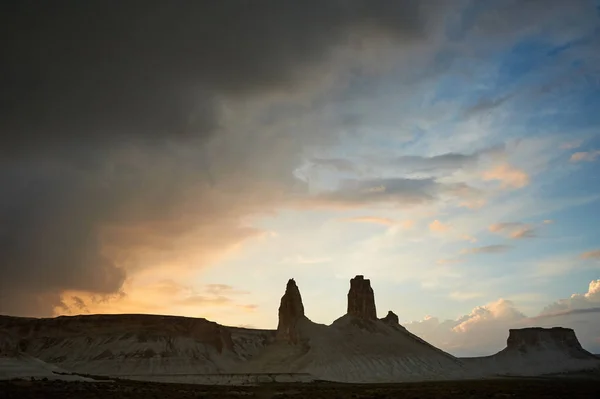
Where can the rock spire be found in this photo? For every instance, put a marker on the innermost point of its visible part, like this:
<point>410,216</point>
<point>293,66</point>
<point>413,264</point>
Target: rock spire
<point>291,310</point>
<point>391,318</point>
<point>361,300</point>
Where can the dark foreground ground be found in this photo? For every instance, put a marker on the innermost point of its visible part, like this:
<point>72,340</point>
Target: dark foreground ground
<point>501,388</point>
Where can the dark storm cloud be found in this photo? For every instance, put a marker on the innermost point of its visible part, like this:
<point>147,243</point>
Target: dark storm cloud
<point>500,23</point>
<point>96,97</point>
<point>94,69</point>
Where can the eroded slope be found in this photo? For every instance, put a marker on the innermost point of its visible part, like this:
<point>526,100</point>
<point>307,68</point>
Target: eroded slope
<point>135,344</point>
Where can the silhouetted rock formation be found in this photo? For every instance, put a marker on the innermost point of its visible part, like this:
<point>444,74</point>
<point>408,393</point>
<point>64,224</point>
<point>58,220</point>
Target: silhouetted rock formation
<point>536,338</point>
<point>361,300</point>
<point>357,347</point>
<point>537,351</point>
<point>391,318</point>
<point>291,311</point>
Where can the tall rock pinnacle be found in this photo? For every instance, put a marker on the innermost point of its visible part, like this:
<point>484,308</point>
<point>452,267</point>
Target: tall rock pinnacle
<point>361,300</point>
<point>291,311</point>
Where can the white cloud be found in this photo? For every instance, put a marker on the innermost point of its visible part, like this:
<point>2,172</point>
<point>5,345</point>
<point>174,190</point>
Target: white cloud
<point>484,330</point>
<point>590,299</point>
<point>480,332</point>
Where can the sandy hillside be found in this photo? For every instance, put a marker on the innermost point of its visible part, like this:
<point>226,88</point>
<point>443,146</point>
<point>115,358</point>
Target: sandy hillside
<point>357,347</point>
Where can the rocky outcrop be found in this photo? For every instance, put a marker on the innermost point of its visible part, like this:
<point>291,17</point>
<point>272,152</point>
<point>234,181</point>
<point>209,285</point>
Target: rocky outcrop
<point>391,318</point>
<point>361,300</point>
<point>537,338</point>
<point>291,311</point>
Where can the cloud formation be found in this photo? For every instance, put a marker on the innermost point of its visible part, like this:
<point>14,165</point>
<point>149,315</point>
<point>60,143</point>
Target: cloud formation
<point>445,162</point>
<point>127,141</point>
<point>509,176</point>
<point>191,51</point>
<point>589,300</point>
<point>352,193</point>
<point>168,296</point>
<point>430,166</point>
<point>585,156</point>
<point>484,330</point>
<point>514,230</point>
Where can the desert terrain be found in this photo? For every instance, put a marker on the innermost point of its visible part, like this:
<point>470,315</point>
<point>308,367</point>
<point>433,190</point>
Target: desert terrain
<point>358,356</point>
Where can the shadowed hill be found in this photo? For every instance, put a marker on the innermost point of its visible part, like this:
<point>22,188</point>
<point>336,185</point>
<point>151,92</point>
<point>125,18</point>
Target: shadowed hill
<point>135,344</point>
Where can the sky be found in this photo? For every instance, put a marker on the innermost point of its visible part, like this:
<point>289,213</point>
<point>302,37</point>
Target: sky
<point>189,158</point>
